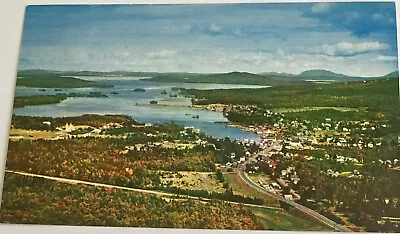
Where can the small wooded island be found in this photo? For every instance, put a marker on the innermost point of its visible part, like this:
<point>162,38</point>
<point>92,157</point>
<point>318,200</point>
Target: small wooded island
<point>139,90</point>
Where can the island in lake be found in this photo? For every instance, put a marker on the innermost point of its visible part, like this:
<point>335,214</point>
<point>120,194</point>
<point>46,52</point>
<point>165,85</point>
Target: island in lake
<point>138,90</point>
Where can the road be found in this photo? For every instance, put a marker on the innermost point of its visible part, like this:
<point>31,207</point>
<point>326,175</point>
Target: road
<point>72,181</point>
<point>301,208</point>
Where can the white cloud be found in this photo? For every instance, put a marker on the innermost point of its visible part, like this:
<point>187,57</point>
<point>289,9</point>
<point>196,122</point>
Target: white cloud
<point>386,58</point>
<point>377,16</point>
<point>280,52</point>
<point>350,49</point>
<point>161,54</point>
<point>215,28</point>
<point>321,7</point>
<point>206,60</point>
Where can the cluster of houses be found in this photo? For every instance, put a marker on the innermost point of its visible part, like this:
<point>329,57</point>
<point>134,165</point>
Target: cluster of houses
<point>343,159</point>
<point>247,142</point>
<point>164,144</point>
<point>285,177</point>
<point>151,145</point>
<point>309,135</point>
<point>270,187</point>
<point>234,161</point>
<point>270,116</point>
<point>389,163</point>
<point>343,133</point>
<point>69,127</point>
<point>350,174</point>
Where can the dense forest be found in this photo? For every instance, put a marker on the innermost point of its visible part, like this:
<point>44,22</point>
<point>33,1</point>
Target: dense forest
<point>36,123</point>
<point>381,94</point>
<point>49,80</point>
<point>132,155</point>
<point>51,99</point>
<point>132,161</point>
<point>38,201</point>
<point>364,197</point>
<point>363,186</point>
<point>100,160</point>
<point>225,78</point>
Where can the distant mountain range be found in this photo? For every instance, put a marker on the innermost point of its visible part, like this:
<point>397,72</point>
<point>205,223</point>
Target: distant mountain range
<point>321,73</point>
<point>325,75</point>
<point>224,78</point>
<point>266,78</point>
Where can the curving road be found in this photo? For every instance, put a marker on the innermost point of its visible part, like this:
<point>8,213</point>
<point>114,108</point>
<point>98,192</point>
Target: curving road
<point>301,208</point>
<point>73,181</point>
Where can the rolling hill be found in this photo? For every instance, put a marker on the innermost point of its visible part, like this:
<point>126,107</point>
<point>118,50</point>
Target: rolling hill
<point>394,74</point>
<point>44,78</point>
<point>237,78</point>
<point>322,75</point>
<point>50,79</point>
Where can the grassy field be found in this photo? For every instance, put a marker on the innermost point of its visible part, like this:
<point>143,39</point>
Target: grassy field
<point>281,220</point>
<point>194,181</point>
<point>33,134</point>
<point>241,188</point>
<point>259,176</point>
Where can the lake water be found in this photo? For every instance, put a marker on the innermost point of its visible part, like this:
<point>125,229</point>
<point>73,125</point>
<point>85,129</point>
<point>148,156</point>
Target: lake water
<point>136,104</point>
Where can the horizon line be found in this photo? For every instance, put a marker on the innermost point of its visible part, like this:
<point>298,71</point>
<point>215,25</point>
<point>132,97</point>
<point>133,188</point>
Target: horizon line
<point>209,73</point>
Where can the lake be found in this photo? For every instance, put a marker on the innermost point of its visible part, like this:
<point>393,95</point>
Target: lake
<point>123,100</point>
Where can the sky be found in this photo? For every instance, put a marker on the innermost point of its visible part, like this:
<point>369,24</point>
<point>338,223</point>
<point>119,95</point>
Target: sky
<point>351,38</point>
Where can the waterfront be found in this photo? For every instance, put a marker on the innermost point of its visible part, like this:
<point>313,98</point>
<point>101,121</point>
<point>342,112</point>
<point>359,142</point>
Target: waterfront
<point>123,100</point>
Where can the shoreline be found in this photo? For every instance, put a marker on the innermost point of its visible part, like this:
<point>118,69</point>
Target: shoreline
<point>261,131</point>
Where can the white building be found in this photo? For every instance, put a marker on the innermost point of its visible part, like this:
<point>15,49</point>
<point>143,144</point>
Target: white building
<point>48,123</point>
<point>69,127</point>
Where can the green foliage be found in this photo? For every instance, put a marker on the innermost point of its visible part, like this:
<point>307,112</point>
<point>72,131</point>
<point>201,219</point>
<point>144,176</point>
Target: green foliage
<point>377,100</point>
<point>38,100</point>
<point>36,123</point>
<point>227,196</point>
<point>321,115</point>
<point>220,176</point>
<point>225,148</point>
<point>223,78</point>
<point>55,81</point>
<point>50,99</point>
<point>100,160</point>
<point>360,197</point>
<point>39,201</point>
<point>382,95</point>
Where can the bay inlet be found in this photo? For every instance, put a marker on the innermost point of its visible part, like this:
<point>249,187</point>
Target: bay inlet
<point>171,107</point>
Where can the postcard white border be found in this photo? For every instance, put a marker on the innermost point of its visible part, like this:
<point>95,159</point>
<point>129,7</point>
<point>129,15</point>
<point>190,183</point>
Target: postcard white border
<point>11,21</point>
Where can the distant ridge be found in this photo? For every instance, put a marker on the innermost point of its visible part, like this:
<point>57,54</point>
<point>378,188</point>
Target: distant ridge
<point>392,74</point>
<point>235,77</point>
<point>321,73</point>
<point>276,74</point>
<point>220,78</point>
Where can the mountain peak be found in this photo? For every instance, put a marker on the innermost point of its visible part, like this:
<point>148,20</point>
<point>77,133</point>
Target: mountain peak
<point>320,73</point>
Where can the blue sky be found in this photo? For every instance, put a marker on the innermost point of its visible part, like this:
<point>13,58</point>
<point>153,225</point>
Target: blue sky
<point>350,38</point>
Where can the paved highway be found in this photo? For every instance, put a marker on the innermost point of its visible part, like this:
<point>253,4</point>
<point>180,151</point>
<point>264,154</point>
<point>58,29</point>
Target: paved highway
<point>173,195</point>
<point>301,208</point>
